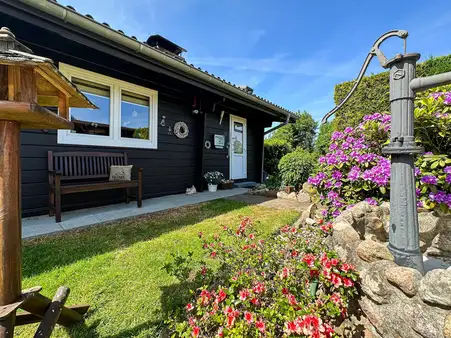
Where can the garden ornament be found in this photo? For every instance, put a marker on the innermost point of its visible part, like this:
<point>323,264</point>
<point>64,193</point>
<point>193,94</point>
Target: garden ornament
<point>404,241</point>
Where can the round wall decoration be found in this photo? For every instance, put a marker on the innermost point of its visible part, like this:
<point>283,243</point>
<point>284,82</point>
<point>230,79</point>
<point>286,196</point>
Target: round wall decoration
<point>181,130</point>
<point>207,144</point>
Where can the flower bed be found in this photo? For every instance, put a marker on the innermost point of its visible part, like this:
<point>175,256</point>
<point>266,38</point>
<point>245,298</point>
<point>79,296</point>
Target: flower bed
<point>285,285</point>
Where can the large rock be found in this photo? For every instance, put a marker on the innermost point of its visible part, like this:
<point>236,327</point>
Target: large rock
<point>373,281</point>
<point>282,194</point>
<point>441,245</point>
<point>435,288</point>
<point>429,226</point>
<point>308,188</point>
<point>291,196</point>
<point>406,279</point>
<point>303,197</point>
<point>345,240</point>
<point>371,251</point>
<point>447,326</point>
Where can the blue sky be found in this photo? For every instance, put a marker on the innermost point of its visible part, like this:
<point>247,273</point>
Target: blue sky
<point>292,52</point>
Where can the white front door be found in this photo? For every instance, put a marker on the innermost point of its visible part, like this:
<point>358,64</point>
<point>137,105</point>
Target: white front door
<point>238,148</point>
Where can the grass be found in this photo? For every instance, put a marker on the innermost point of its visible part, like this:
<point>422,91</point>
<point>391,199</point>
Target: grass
<point>117,268</point>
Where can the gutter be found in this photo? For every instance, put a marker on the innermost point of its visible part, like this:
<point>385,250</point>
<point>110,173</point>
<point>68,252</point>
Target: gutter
<point>266,133</point>
<point>70,16</point>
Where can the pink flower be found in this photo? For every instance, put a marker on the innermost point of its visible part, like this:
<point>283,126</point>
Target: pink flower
<point>189,307</point>
<point>336,280</point>
<point>334,261</point>
<point>284,273</point>
<point>336,298</point>
<point>248,317</point>
<point>260,325</point>
<point>348,282</point>
<point>196,331</point>
<point>230,320</point>
<point>221,296</point>
<point>292,300</point>
<point>259,288</point>
<point>346,267</point>
<point>255,301</point>
<point>244,294</point>
<point>200,234</point>
<point>220,333</point>
<point>251,236</point>
<point>213,254</point>
<point>310,260</point>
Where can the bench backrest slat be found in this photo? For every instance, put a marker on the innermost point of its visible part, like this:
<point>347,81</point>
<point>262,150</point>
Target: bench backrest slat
<point>84,165</point>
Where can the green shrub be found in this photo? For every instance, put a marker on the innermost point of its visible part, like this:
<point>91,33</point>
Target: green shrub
<point>323,140</point>
<point>372,95</point>
<point>275,149</point>
<point>296,167</point>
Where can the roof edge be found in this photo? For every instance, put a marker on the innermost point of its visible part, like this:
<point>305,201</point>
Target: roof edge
<point>85,22</point>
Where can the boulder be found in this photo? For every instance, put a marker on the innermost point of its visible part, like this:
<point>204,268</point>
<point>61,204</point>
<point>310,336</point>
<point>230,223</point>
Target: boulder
<point>291,196</point>
<point>447,327</point>
<point>308,188</point>
<point>429,226</point>
<point>371,251</point>
<point>309,221</point>
<point>406,279</point>
<point>311,210</point>
<point>303,197</point>
<point>435,288</point>
<point>373,281</point>
<point>441,245</point>
<point>346,216</point>
<point>282,194</point>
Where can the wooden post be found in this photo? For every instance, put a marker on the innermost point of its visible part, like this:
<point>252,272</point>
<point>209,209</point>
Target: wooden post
<point>10,220</point>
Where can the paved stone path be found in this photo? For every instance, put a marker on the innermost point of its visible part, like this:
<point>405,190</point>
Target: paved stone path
<point>270,202</point>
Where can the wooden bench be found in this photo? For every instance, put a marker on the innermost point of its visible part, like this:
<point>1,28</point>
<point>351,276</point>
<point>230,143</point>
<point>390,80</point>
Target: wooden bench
<point>73,172</point>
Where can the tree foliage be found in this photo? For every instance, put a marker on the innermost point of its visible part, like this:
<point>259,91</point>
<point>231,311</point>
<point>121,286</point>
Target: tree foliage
<point>300,134</point>
<point>323,139</point>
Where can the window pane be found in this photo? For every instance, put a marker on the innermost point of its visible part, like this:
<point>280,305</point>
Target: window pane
<point>135,119</point>
<point>92,121</point>
<point>238,138</point>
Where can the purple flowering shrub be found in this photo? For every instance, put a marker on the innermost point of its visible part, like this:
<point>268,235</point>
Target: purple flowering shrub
<point>355,170</point>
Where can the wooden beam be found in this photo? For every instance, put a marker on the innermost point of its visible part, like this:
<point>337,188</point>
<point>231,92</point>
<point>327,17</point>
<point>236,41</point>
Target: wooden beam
<point>39,304</point>
<point>28,90</point>
<point>52,314</point>
<point>32,116</point>
<point>50,79</point>
<point>25,318</point>
<point>10,221</point>
<point>13,83</point>
<point>63,106</point>
<point>3,82</point>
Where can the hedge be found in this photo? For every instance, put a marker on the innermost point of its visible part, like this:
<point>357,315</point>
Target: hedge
<point>372,95</point>
<point>275,149</point>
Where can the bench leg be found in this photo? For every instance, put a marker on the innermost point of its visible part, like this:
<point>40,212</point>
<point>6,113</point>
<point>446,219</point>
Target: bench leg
<point>139,189</point>
<point>51,203</point>
<point>58,199</point>
<point>127,195</point>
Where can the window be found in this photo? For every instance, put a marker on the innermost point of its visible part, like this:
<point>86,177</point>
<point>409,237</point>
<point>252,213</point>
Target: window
<point>127,114</point>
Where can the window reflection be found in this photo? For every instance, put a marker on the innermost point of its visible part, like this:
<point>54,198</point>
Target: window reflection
<point>135,114</point>
<point>92,121</point>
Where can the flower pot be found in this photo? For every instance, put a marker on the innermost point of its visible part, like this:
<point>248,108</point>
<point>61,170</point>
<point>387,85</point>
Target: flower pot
<point>289,189</point>
<point>212,187</point>
<point>225,186</point>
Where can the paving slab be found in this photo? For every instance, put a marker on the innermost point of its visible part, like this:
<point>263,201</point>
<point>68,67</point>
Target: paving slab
<point>44,225</point>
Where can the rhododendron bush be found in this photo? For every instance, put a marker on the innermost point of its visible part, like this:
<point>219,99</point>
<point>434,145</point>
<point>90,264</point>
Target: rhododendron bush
<point>284,285</point>
<point>355,170</point>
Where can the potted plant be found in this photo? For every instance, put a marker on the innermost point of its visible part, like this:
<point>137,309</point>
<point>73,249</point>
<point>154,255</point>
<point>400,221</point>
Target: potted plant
<point>213,178</point>
<point>226,184</point>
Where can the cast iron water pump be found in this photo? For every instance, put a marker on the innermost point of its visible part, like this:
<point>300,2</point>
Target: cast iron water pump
<point>404,242</point>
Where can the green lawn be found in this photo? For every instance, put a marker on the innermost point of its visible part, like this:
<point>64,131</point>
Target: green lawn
<point>117,268</point>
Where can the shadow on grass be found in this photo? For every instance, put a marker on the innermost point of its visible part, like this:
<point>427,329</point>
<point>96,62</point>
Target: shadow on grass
<point>50,252</point>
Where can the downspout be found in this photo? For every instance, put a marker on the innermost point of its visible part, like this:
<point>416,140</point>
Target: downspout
<point>266,133</point>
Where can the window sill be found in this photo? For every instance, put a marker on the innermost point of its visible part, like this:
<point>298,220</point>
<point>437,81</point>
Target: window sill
<point>66,137</point>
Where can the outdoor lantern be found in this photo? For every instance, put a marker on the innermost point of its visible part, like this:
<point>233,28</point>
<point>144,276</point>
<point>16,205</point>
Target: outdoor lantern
<point>28,83</point>
<point>404,241</point>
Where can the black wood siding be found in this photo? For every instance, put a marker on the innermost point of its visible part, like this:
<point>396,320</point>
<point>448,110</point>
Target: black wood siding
<point>172,167</point>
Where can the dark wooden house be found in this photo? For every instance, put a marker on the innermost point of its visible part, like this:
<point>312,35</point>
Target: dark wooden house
<point>142,89</point>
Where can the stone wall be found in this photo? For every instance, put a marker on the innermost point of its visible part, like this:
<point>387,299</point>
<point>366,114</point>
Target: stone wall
<point>397,302</point>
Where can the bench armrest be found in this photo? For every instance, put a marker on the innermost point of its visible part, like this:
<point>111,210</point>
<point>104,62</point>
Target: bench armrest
<point>55,172</point>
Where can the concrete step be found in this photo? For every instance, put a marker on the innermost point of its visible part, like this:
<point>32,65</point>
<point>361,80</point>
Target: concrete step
<point>247,184</point>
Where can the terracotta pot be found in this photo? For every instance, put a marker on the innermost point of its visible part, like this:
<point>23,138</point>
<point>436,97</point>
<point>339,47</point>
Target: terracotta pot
<point>289,189</point>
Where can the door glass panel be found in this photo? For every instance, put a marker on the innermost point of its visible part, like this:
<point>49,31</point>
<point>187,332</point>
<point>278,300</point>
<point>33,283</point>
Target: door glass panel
<point>92,121</point>
<point>238,138</point>
<point>135,116</point>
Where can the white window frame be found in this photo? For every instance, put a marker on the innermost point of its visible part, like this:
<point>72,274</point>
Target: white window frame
<point>116,88</point>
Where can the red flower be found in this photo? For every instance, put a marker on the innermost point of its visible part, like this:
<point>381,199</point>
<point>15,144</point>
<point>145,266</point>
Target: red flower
<point>225,228</point>
<point>294,253</point>
<point>191,321</point>
<point>347,267</point>
<point>220,334</point>
<point>251,236</point>
<point>196,331</point>
<point>348,282</point>
<point>200,234</point>
<point>260,325</point>
<point>189,307</point>
<point>292,300</point>
<point>204,270</point>
<point>320,221</point>
<point>336,280</point>
<point>310,260</point>
<point>334,261</point>
<point>336,298</point>
<point>221,296</point>
<point>284,273</point>
<point>213,254</point>
<point>255,301</point>
<point>230,320</point>
<point>285,291</point>
<point>244,294</point>
<point>259,288</point>
<point>248,317</point>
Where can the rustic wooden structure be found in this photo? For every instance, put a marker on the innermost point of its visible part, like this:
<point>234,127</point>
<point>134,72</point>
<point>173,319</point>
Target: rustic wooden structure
<point>25,81</point>
<point>74,172</point>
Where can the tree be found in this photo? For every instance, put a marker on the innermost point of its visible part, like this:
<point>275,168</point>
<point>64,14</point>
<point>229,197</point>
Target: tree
<point>323,139</point>
<point>300,134</point>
